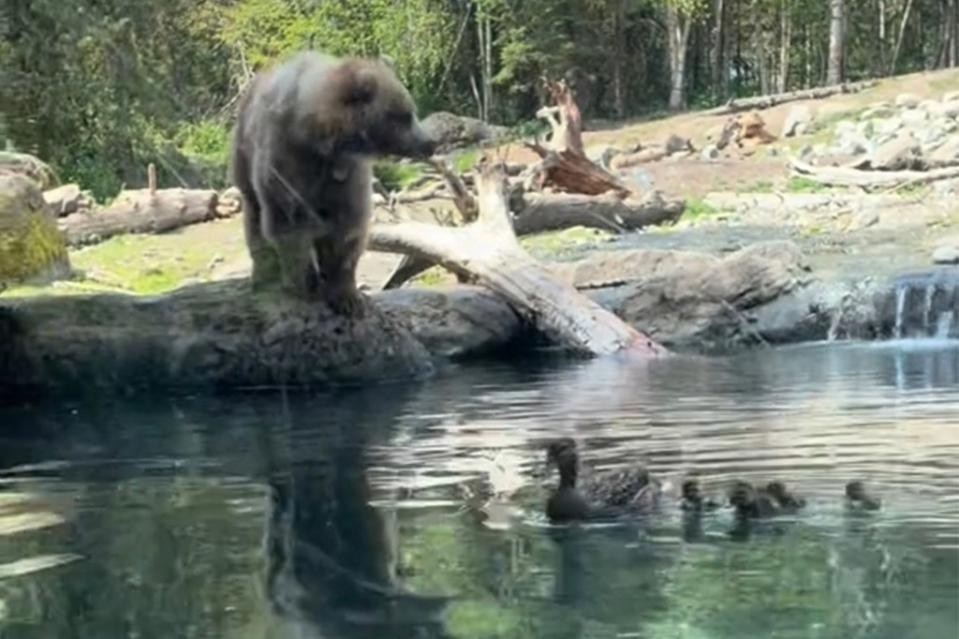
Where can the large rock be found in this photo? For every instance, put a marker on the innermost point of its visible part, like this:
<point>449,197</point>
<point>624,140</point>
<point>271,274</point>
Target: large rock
<point>947,253</point>
<point>849,139</point>
<point>798,121</point>
<point>690,300</point>
<point>946,154</point>
<point>32,249</point>
<point>889,126</point>
<point>29,166</point>
<point>900,153</point>
<point>907,100</point>
<point>452,131</point>
<point>914,117</point>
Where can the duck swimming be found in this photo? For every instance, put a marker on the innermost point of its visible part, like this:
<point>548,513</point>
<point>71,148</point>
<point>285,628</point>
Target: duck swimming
<point>693,500</point>
<point>774,499</point>
<point>608,495</point>
<point>858,499</point>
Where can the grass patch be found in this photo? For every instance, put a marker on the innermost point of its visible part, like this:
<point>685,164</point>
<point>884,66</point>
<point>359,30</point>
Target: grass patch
<point>554,243</point>
<point>396,176</point>
<point>465,161</point>
<point>697,209</point>
<point>798,184</point>
<point>761,186</point>
<point>433,277</point>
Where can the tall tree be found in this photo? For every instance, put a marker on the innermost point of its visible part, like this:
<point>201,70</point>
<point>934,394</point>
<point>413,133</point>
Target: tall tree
<point>837,41</point>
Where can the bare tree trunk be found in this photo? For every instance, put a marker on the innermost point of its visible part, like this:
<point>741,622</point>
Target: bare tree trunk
<point>785,40</point>
<point>619,35</point>
<point>483,32</point>
<point>678,28</point>
<point>880,59</point>
<point>807,69</point>
<point>718,58</point>
<point>837,11</point>
<point>899,39</point>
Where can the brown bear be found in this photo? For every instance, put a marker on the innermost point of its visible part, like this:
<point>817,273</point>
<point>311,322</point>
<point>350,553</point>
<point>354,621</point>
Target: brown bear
<point>303,146</point>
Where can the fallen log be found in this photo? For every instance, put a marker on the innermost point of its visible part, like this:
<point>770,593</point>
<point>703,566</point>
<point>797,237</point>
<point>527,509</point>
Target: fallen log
<point>552,211</point>
<point>488,251</point>
<point>736,105</point>
<point>868,180</point>
<point>140,211</point>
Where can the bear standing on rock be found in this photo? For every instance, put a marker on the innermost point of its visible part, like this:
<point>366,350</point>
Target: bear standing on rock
<point>306,134</point>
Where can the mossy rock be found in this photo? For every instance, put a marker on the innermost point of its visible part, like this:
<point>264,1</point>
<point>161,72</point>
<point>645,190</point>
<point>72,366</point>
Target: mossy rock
<point>32,249</point>
<point>24,164</point>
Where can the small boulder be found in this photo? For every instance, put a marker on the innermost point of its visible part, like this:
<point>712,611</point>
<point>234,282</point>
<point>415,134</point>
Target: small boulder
<point>675,143</point>
<point>602,154</point>
<point>907,100</point>
<point>798,121</point>
<point>950,96</point>
<point>849,140</point>
<point>878,110</point>
<point>888,126</point>
<point>946,154</point>
<point>32,249</point>
<point>709,153</point>
<point>950,109</point>
<point>67,199</point>
<point>25,164</point>
<point>914,117</point>
<point>946,254</point>
<point>899,153</point>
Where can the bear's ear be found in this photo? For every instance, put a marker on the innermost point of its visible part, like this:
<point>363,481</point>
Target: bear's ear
<point>361,87</point>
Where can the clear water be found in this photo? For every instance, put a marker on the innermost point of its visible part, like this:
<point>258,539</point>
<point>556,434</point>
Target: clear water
<point>266,515</point>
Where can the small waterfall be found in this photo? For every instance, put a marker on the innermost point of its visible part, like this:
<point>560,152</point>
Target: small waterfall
<point>944,324</point>
<point>926,305</point>
<point>901,292</point>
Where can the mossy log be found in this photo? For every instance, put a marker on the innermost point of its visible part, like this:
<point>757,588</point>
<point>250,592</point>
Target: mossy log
<point>221,336</point>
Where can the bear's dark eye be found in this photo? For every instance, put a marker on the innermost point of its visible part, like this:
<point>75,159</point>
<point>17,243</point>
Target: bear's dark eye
<point>402,118</point>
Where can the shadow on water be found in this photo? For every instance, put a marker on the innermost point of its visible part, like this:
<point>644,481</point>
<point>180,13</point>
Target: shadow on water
<point>342,514</point>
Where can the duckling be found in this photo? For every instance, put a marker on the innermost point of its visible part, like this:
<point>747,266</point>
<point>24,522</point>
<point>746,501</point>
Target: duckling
<point>787,501</point>
<point>693,500</point>
<point>858,499</point>
<point>774,499</point>
<point>750,503</point>
<point>608,495</point>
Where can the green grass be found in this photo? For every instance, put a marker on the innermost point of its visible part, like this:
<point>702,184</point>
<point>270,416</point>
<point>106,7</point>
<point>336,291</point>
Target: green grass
<point>760,186</point>
<point>396,176</point>
<point>697,209</point>
<point>805,185</point>
<point>465,161</point>
<point>554,243</point>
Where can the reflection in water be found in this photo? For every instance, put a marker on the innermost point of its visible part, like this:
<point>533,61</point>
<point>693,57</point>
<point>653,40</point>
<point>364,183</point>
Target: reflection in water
<point>340,515</point>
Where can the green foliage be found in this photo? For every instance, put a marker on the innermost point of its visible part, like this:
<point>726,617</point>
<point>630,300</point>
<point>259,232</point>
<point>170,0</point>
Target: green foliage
<point>396,176</point>
<point>465,161</point>
<point>697,209</point>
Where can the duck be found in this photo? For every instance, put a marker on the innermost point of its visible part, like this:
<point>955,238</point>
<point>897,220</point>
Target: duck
<point>614,494</point>
<point>772,500</point>
<point>857,498</point>
<point>692,499</point>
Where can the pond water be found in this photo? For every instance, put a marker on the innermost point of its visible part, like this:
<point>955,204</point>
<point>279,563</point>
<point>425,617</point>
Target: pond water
<point>345,515</point>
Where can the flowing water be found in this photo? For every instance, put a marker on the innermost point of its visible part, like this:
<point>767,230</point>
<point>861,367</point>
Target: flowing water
<point>349,514</point>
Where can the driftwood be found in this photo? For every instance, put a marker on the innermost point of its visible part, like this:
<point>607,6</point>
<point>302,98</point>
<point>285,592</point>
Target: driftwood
<point>140,212</point>
<point>489,252</point>
<point>564,118</point>
<point>566,171</point>
<point>767,101</point>
<point>552,211</point>
<point>844,176</point>
<point>541,212</point>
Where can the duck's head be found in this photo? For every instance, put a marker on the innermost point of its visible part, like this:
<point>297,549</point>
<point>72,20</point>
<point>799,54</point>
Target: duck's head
<point>855,490</point>
<point>777,490</point>
<point>741,495</point>
<point>562,453</point>
<point>691,490</point>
